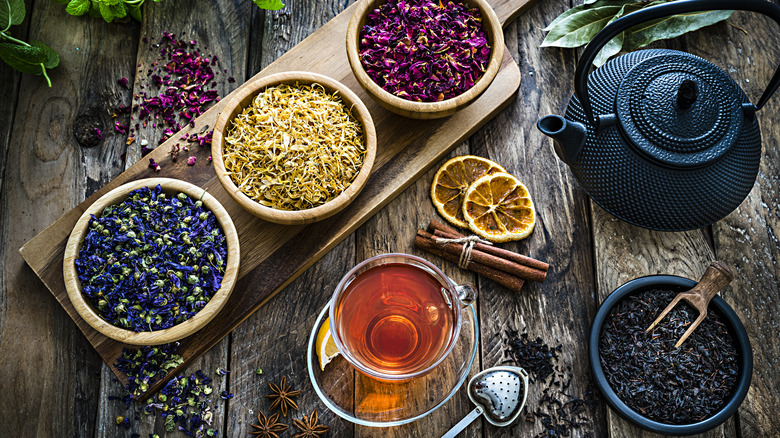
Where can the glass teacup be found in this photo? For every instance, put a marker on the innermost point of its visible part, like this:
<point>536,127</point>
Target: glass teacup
<point>395,317</point>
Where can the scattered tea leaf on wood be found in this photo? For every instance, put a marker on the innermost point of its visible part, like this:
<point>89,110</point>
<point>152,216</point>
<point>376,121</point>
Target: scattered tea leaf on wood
<point>667,384</point>
<point>295,147</point>
<point>559,412</point>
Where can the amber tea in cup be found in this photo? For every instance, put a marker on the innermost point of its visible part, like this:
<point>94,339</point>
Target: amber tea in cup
<point>396,316</point>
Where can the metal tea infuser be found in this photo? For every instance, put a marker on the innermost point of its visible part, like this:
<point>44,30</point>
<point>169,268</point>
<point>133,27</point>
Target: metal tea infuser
<point>660,138</point>
<point>499,393</point>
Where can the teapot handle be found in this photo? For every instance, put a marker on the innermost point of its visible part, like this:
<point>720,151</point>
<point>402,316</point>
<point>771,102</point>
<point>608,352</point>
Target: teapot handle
<point>672,8</point>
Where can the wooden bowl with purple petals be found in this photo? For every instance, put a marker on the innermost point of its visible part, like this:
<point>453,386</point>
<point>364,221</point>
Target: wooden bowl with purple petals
<point>446,55</point>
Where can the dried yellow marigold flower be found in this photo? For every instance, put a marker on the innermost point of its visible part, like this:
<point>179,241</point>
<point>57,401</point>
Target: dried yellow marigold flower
<point>295,147</point>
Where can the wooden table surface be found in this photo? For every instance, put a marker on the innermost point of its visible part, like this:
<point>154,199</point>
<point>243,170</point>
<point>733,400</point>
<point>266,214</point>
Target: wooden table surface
<point>53,383</point>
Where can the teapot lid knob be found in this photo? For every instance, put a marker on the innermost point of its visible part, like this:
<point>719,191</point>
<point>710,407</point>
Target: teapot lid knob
<point>680,110</point>
<point>687,94</point>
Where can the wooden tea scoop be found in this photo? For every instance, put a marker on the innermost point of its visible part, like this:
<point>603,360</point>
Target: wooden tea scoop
<point>717,276</point>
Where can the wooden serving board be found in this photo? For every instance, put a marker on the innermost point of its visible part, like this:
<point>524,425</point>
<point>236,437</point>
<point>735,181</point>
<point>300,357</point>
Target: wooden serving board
<point>273,255</point>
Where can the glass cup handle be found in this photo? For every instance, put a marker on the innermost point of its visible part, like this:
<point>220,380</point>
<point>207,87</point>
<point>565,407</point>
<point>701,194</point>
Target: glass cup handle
<point>467,294</point>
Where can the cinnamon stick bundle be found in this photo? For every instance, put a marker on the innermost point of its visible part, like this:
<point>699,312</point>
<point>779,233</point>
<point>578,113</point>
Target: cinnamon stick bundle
<point>507,280</point>
<point>500,265</point>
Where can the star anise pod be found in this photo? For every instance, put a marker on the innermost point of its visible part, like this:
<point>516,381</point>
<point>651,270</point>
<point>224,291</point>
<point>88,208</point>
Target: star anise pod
<point>282,396</point>
<point>309,427</point>
<point>268,426</point>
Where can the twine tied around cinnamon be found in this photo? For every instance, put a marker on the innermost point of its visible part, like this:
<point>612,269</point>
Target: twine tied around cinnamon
<point>468,246</point>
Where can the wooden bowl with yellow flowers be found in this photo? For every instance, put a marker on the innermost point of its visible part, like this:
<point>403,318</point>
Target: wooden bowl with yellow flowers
<point>294,147</point>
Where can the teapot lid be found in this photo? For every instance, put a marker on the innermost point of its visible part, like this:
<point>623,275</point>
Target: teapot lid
<point>679,110</point>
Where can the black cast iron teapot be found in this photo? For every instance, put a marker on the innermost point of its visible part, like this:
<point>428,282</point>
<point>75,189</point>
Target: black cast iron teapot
<point>660,138</point>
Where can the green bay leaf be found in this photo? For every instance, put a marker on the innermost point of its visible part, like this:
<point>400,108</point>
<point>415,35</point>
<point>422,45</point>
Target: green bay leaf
<point>579,28</point>
<point>671,27</point>
<point>614,46</point>
<point>583,7</point>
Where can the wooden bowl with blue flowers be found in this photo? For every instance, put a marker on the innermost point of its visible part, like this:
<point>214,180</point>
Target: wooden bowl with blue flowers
<point>152,261</point>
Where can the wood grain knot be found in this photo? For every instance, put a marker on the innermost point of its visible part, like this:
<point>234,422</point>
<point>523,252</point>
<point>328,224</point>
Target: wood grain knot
<point>88,129</point>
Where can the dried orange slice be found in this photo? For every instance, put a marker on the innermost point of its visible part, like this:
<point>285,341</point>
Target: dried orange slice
<point>451,182</point>
<point>498,208</point>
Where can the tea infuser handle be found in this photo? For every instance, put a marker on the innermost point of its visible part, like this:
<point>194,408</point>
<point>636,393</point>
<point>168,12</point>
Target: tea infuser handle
<point>653,13</point>
<point>468,419</point>
<point>467,294</point>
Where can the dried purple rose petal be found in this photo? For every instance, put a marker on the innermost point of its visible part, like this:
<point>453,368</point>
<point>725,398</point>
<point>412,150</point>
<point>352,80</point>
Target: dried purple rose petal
<point>191,161</point>
<point>180,87</point>
<point>424,51</point>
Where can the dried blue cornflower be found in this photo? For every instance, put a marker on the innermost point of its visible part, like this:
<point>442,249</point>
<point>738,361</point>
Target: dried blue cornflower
<point>152,261</point>
<point>144,366</point>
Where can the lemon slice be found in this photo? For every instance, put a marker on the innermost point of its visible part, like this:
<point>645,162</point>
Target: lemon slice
<point>326,348</point>
<point>498,208</point>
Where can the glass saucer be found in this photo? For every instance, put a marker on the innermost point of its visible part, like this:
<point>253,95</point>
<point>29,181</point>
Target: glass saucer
<point>370,402</point>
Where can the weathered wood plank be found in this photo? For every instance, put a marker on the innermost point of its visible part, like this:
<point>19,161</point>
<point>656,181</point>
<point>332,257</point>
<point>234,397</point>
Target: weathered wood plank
<point>50,371</point>
<point>219,28</point>
<point>748,238</point>
<point>275,338</point>
<point>558,310</point>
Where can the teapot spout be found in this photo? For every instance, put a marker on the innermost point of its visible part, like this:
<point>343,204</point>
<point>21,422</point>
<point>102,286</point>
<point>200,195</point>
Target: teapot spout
<point>568,136</point>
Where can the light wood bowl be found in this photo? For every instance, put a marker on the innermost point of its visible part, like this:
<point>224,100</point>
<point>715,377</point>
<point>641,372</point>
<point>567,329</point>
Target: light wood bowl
<point>179,331</point>
<point>425,110</point>
<point>243,98</point>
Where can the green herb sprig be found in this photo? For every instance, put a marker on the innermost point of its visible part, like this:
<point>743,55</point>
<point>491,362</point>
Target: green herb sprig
<point>111,10</point>
<point>578,25</point>
<point>33,57</point>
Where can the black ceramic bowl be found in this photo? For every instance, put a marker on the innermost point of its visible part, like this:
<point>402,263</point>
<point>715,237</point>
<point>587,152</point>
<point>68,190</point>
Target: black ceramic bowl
<point>676,284</point>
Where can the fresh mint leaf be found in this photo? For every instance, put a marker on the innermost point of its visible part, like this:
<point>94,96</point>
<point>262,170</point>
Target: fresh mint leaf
<point>134,11</point>
<point>111,10</point>
<point>11,13</point>
<point>94,11</point>
<point>26,59</point>
<point>271,5</point>
<point>52,59</point>
<point>78,7</point>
